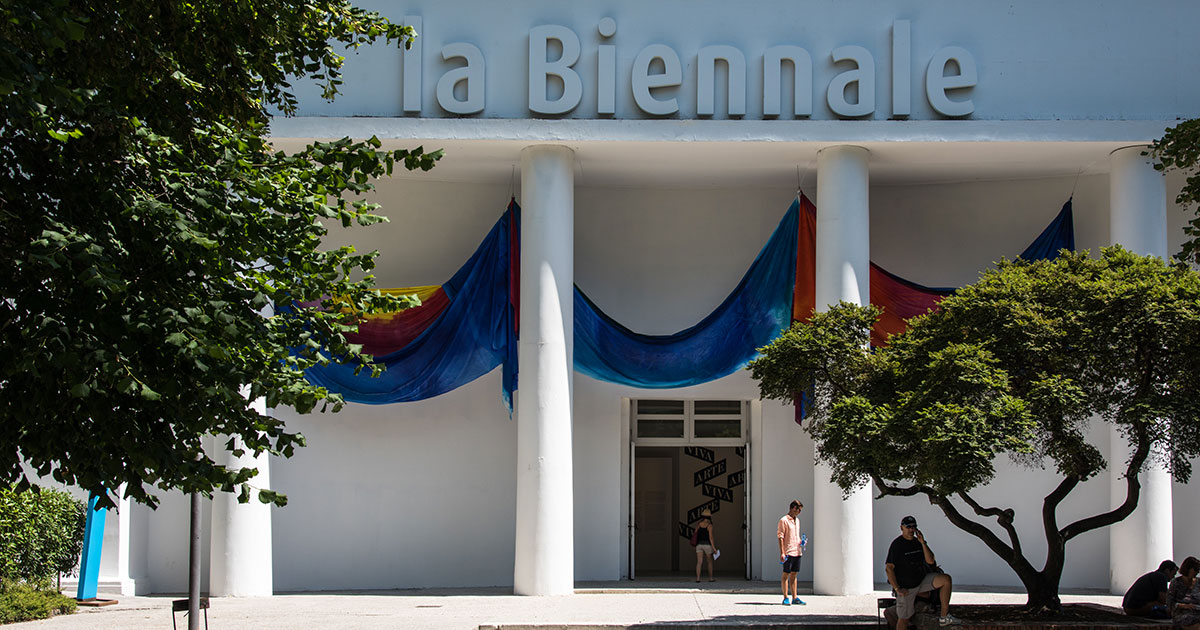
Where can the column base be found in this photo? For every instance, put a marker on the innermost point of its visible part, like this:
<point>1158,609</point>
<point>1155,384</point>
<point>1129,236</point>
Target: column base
<point>106,585</point>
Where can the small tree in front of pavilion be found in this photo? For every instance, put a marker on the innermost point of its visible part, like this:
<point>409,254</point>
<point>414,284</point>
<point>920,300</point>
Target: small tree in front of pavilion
<point>1017,365</point>
<point>146,223</point>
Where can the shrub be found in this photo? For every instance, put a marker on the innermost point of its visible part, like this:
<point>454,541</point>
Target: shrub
<point>41,535</point>
<point>22,603</point>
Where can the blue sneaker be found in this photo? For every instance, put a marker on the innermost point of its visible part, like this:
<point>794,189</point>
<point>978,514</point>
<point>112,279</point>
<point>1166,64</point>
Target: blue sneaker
<point>787,602</point>
<point>798,602</point>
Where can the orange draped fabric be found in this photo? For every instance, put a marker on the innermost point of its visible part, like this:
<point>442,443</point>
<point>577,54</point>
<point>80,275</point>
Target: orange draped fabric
<point>804,297</point>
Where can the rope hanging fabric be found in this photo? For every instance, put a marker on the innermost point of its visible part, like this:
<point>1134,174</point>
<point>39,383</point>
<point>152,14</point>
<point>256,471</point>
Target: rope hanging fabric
<point>463,330</point>
<point>757,310</point>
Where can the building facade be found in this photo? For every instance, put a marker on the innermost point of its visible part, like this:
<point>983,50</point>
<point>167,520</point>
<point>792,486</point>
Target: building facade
<point>653,149</point>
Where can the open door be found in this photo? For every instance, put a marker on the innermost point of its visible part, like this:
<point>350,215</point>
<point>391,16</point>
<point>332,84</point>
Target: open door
<point>687,457</point>
<point>632,506</point>
<point>747,526</point>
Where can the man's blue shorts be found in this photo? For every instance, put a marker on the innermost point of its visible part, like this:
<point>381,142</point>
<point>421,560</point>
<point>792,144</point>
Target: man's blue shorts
<point>792,564</point>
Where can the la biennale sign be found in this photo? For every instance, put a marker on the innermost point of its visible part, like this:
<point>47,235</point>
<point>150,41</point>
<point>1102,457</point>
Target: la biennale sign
<point>657,78</point>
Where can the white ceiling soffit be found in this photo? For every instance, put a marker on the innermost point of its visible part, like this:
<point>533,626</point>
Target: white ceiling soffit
<point>672,154</point>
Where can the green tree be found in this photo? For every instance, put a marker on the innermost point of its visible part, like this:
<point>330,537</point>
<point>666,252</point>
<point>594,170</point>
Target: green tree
<point>1027,363</point>
<point>41,536</point>
<point>1179,149</point>
<point>146,223</point>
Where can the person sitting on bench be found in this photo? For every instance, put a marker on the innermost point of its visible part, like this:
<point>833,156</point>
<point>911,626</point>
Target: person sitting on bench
<point>908,571</point>
<point>1148,595</point>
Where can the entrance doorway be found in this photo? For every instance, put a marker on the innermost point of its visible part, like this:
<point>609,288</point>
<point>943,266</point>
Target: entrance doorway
<point>683,463</point>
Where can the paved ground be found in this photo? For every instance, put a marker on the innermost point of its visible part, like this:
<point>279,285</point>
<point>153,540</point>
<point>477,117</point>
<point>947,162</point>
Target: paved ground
<point>725,603</point>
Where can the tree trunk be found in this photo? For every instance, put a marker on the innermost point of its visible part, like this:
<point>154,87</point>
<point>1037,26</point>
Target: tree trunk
<point>1041,587</point>
<point>1043,596</point>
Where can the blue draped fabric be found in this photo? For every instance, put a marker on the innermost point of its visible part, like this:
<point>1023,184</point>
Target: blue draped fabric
<point>474,334</point>
<point>1059,235</point>
<point>722,343</point>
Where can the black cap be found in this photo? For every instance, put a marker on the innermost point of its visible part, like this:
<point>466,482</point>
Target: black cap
<point>908,520</point>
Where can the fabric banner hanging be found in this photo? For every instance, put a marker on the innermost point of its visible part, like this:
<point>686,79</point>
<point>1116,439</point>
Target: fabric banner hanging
<point>901,299</point>
<point>1057,236</point>
<point>468,326</point>
<point>720,344</point>
<point>463,330</point>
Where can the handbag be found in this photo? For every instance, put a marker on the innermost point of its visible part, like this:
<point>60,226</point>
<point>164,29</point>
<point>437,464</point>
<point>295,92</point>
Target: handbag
<point>695,536</point>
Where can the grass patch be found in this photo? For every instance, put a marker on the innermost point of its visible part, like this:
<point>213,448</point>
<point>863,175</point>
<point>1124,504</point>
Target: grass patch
<point>22,603</point>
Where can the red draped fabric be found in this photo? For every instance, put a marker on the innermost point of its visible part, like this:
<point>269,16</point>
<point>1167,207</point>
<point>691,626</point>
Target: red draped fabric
<point>899,300</point>
<point>382,335</point>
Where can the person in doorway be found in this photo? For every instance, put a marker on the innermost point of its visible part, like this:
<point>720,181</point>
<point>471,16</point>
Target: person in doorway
<point>1183,596</point>
<point>706,544</point>
<point>910,570</point>
<point>790,552</point>
<point>1148,595</point>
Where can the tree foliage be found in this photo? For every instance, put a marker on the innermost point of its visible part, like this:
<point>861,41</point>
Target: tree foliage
<point>147,225</point>
<point>1019,365</point>
<point>1179,149</point>
<point>41,536</point>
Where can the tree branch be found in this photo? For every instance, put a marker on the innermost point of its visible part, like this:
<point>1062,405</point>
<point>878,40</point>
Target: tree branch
<point>1004,517</point>
<point>895,491</point>
<point>1012,556</point>
<point>1133,490</point>
<point>1050,506</point>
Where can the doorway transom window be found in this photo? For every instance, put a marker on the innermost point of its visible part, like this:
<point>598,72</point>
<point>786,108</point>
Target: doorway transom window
<point>672,422</point>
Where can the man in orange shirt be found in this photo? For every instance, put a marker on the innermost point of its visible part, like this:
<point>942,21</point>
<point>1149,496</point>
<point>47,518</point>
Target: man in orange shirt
<point>790,551</point>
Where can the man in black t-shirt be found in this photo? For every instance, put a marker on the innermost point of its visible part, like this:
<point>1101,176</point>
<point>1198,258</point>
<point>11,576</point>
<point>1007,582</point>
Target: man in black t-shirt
<point>909,561</point>
<point>1148,595</point>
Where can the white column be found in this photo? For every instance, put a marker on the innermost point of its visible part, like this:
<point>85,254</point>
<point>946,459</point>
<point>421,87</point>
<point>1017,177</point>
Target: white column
<point>1138,221</point>
<point>115,556</point>
<point>545,545</point>
<point>240,559</point>
<point>1137,203</point>
<point>123,574</point>
<point>842,529</point>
